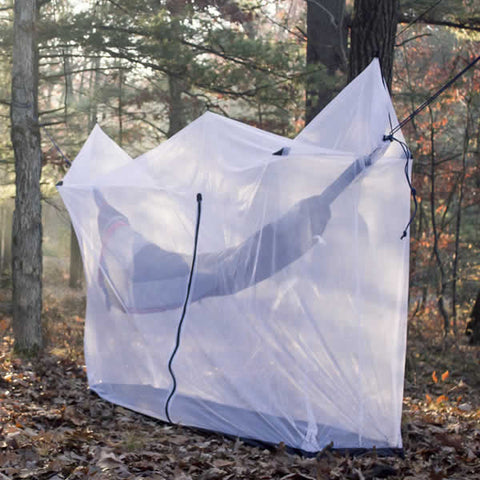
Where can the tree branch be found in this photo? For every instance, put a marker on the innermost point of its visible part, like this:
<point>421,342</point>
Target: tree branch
<point>470,24</point>
<point>401,44</point>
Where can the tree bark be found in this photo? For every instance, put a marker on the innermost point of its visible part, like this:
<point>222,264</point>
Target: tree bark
<point>326,48</point>
<point>5,239</point>
<point>76,265</point>
<point>176,110</point>
<point>373,32</point>
<point>473,325</point>
<point>458,223</point>
<point>435,231</point>
<point>27,221</point>
<point>120,105</point>
<point>92,94</point>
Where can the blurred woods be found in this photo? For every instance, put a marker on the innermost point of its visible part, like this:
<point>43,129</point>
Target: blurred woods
<point>144,69</point>
<point>445,267</point>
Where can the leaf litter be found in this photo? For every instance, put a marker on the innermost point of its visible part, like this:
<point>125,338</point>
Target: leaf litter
<point>53,428</point>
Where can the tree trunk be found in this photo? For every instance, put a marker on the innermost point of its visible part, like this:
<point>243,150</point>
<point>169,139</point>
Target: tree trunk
<point>176,111</point>
<point>176,114</point>
<point>76,266</point>
<point>120,106</point>
<point>373,35</point>
<point>326,50</point>
<point>5,239</point>
<point>27,221</point>
<point>473,326</point>
<point>92,93</point>
<point>68,94</point>
<point>442,284</point>
<point>458,223</point>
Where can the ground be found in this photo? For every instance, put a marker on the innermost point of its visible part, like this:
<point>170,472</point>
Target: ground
<point>53,427</point>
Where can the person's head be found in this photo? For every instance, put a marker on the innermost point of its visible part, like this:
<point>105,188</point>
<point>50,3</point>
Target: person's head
<point>107,215</point>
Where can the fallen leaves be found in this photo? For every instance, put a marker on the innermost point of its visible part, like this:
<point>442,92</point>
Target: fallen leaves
<point>53,428</point>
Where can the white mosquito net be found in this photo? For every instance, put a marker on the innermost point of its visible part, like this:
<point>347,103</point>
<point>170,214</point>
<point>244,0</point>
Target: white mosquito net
<point>295,326</point>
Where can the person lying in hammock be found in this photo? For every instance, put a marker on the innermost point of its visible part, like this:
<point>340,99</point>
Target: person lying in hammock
<point>156,279</point>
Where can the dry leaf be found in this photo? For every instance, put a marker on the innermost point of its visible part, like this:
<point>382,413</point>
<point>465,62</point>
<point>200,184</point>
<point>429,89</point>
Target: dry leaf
<point>179,439</point>
<point>4,325</point>
<point>223,463</point>
<point>212,474</point>
<point>108,460</point>
<point>441,399</point>
<point>437,475</point>
<point>52,426</point>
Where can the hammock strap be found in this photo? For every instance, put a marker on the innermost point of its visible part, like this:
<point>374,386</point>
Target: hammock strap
<point>184,311</point>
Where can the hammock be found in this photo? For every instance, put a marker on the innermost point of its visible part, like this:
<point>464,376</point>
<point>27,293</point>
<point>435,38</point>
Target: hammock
<point>157,278</point>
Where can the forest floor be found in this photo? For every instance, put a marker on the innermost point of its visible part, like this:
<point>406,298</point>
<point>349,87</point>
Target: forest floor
<point>53,427</point>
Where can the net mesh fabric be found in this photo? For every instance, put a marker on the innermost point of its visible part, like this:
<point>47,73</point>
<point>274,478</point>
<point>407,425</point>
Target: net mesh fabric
<point>295,328</point>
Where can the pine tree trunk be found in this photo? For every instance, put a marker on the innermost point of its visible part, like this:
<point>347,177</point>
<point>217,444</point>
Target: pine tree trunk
<point>27,221</point>
<point>326,48</point>
<point>92,93</point>
<point>176,111</point>
<point>373,35</point>
<point>176,114</point>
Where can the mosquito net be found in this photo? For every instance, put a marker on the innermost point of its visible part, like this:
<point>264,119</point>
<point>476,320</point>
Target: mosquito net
<point>294,328</point>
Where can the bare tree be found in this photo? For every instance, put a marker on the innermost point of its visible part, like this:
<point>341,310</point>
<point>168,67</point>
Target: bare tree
<point>27,221</point>
<point>458,222</point>
<point>436,230</point>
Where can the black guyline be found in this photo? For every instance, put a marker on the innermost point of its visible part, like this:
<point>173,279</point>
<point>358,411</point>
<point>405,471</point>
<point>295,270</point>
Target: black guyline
<point>413,192</point>
<point>429,100</point>
<point>406,151</point>
<point>184,311</point>
<point>415,20</point>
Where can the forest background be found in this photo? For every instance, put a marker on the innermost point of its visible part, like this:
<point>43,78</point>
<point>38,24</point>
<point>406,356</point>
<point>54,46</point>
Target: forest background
<point>144,72</point>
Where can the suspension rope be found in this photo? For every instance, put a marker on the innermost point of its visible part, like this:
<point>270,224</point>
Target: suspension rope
<point>415,20</point>
<point>182,318</point>
<point>59,150</point>
<point>429,100</point>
